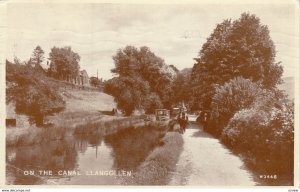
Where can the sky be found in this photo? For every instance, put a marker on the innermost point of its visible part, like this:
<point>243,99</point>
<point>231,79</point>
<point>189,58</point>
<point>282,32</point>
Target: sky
<point>175,32</point>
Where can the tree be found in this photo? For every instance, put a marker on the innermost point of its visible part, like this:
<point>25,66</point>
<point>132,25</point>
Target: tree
<point>128,92</point>
<point>37,56</point>
<point>181,87</point>
<point>239,48</point>
<point>142,65</point>
<point>38,100</point>
<point>235,95</point>
<point>174,68</point>
<point>31,93</point>
<point>94,81</point>
<point>64,63</point>
<point>151,102</point>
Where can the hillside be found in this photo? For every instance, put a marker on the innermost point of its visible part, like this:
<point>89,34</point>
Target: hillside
<point>288,86</point>
<point>82,105</point>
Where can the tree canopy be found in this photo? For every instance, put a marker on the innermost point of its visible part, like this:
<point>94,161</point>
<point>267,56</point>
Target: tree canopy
<point>142,68</point>
<point>94,81</point>
<point>129,92</point>
<point>235,48</point>
<point>64,63</point>
<point>37,56</point>
<point>31,93</point>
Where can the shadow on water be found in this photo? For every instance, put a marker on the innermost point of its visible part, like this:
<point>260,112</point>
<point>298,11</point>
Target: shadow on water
<point>124,150</point>
<point>56,155</point>
<point>132,146</point>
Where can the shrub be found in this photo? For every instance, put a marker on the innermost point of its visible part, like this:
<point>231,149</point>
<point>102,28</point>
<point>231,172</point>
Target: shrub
<point>33,95</point>
<point>237,94</point>
<point>264,137</point>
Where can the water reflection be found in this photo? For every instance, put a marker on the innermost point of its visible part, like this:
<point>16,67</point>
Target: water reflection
<point>92,151</point>
<point>54,156</point>
<point>132,146</point>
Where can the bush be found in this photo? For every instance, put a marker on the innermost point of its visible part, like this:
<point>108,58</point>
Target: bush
<point>237,94</point>
<point>264,137</point>
<point>31,92</point>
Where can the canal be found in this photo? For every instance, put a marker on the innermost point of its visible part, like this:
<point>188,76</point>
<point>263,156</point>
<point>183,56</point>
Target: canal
<point>92,158</point>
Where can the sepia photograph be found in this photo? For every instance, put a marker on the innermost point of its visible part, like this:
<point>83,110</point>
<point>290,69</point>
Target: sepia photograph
<point>135,94</point>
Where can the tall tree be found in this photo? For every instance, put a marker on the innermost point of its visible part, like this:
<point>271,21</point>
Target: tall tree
<point>181,87</point>
<point>64,63</point>
<point>144,65</point>
<point>128,92</point>
<point>37,56</point>
<point>239,48</point>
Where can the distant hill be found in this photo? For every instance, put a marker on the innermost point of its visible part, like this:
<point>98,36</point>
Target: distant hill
<point>186,72</point>
<point>288,86</point>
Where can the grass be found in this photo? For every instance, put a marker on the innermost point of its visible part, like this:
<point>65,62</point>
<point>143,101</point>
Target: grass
<point>82,108</point>
<point>158,165</point>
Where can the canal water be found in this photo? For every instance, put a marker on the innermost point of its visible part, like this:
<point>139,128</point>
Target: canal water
<point>92,158</point>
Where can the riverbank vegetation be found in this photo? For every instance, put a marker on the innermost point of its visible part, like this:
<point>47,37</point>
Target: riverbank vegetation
<point>33,96</point>
<point>145,82</point>
<point>157,167</point>
<point>236,80</point>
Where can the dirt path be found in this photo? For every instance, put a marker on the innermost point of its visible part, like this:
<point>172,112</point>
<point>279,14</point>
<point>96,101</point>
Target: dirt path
<point>206,162</point>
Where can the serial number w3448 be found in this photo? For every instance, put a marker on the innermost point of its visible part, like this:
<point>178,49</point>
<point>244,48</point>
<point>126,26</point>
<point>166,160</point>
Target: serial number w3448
<point>268,176</point>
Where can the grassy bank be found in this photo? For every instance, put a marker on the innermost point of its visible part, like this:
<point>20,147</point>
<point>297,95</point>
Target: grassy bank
<point>82,108</point>
<point>158,165</point>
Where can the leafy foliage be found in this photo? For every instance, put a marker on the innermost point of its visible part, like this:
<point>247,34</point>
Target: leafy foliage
<point>181,87</point>
<point>128,92</point>
<point>265,137</point>
<point>37,56</point>
<point>235,48</point>
<point>31,93</point>
<point>140,72</point>
<point>237,94</point>
<point>152,102</point>
<point>64,63</point>
<point>94,81</point>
